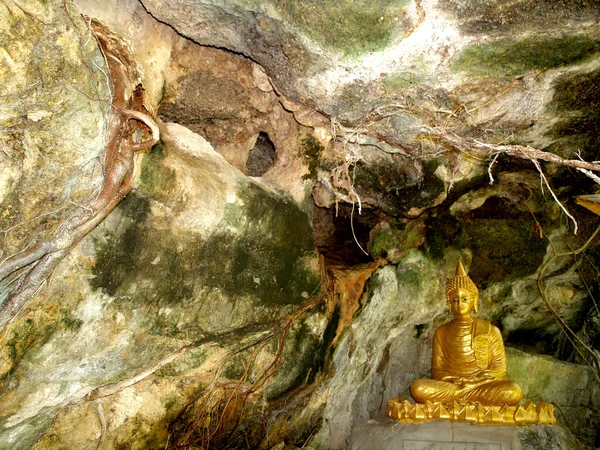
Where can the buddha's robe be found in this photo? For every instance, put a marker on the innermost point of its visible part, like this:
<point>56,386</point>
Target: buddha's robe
<point>468,365</point>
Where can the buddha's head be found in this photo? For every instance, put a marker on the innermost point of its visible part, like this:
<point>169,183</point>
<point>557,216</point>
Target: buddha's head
<point>461,292</point>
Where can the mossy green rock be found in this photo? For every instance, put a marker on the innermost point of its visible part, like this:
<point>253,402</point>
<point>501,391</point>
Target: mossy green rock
<point>349,27</point>
<point>572,388</point>
<point>195,251</point>
<point>545,379</point>
<point>394,242</point>
<point>508,57</point>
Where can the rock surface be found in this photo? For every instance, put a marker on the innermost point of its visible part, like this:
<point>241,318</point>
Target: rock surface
<point>350,57</point>
<point>292,129</point>
<point>52,117</point>
<point>157,277</point>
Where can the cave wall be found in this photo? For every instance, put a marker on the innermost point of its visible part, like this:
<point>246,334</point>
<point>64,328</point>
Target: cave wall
<point>288,240</point>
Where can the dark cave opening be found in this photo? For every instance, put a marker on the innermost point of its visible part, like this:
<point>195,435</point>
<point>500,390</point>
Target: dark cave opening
<point>261,157</point>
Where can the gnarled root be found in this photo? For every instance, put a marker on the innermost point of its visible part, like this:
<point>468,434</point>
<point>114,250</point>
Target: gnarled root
<point>127,115</point>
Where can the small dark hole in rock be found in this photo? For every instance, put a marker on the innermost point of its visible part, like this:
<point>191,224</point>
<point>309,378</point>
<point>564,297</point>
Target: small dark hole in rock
<point>261,157</point>
<point>420,329</point>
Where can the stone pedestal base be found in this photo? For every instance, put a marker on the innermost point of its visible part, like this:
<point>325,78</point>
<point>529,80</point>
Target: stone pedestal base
<point>389,434</point>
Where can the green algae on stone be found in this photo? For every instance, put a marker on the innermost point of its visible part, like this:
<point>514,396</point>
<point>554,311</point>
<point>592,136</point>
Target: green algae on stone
<point>267,256</point>
<point>117,259</point>
<point>25,434</point>
<point>501,235</point>
<point>312,150</point>
<point>27,337</point>
<point>571,387</point>
<point>154,176</point>
<point>394,242</point>
<point>508,17</point>
<point>398,187</point>
<point>509,58</point>
<point>576,99</point>
<point>350,27</point>
<point>301,356</point>
<point>412,275</point>
<point>400,81</point>
<point>268,260</point>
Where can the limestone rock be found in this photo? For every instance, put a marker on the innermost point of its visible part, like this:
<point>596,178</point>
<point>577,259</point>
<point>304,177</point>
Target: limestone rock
<point>216,94</point>
<point>571,387</point>
<point>197,253</point>
<point>201,261</point>
<point>351,57</point>
<point>52,117</point>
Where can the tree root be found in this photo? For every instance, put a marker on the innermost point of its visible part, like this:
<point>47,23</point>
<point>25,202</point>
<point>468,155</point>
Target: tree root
<point>128,115</point>
<point>102,420</point>
<point>216,418</point>
<point>517,151</point>
<point>491,152</point>
<point>265,331</point>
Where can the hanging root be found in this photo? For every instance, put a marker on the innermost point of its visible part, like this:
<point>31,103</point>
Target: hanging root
<point>517,151</point>
<point>35,264</point>
<point>342,186</point>
<point>490,151</point>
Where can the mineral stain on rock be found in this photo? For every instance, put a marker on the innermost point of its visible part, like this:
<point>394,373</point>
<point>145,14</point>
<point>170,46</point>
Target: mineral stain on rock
<point>312,150</point>
<point>156,178</point>
<point>398,187</point>
<point>506,16</point>
<point>350,27</point>
<point>498,232</point>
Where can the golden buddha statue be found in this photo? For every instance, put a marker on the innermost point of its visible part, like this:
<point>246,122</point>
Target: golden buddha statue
<point>469,363</point>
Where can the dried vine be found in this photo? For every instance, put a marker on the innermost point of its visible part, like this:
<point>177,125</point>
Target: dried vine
<point>221,405</point>
<point>215,417</point>
<point>31,267</point>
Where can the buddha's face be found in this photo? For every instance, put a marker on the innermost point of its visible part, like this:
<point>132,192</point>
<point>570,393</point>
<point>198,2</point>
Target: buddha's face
<point>461,302</point>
